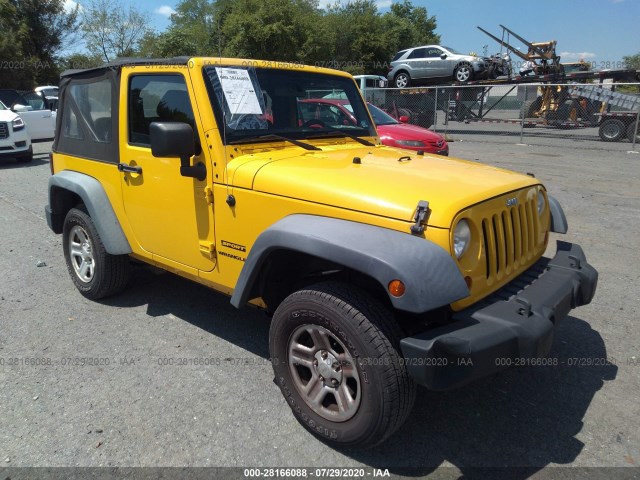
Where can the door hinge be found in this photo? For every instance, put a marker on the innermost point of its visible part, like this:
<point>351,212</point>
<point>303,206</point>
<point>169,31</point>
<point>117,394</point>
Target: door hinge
<point>208,249</point>
<point>208,195</point>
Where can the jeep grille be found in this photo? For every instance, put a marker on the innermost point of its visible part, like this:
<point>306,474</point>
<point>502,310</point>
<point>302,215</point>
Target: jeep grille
<point>4,130</point>
<point>510,238</point>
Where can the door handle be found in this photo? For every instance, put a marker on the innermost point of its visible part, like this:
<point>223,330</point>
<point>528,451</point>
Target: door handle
<point>123,167</point>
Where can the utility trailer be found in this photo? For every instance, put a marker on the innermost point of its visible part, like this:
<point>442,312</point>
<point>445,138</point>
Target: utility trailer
<point>613,126</point>
<point>549,103</point>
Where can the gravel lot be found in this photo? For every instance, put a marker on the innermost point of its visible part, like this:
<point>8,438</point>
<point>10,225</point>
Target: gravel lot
<point>133,410</point>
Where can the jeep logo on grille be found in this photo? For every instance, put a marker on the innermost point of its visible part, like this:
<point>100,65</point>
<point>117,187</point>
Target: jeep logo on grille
<point>512,202</point>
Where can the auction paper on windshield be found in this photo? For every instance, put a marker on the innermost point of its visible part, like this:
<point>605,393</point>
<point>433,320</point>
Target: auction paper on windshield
<point>239,91</point>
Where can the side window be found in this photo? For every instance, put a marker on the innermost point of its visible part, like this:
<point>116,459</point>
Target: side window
<point>418,53</point>
<point>156,98</point>
<point>398,55</point>
<point>70,127</point>
<point>434,52</point>
<point>93,103</point>
<point>35,101</point>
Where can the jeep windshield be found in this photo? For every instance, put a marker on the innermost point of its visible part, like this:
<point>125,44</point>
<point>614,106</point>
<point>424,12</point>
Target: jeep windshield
<point>258,104</point>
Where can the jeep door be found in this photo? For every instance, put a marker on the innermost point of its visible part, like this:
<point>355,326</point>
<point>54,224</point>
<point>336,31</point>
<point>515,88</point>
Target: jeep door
<point>169,214</point>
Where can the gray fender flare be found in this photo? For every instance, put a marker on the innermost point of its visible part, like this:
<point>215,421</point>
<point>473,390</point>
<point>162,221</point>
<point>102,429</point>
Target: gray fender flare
<point>430,274</point>
<point>558,219</point>
<point>95,199</point>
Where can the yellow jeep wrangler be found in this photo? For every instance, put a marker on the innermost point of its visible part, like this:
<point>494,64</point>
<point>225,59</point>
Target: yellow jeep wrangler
<point>382,268</point>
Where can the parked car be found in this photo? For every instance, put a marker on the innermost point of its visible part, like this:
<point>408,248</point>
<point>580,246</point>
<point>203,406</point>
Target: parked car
<point>394,133</point>
<point>50,95</point>
<point>401,134</point>
<point>414,65</point>
<point>14,139</point>
<point>39,120</point>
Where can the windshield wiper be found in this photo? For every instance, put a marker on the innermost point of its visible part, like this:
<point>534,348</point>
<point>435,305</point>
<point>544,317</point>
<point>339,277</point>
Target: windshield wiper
<point>350,135</point>
<point>271,136</point>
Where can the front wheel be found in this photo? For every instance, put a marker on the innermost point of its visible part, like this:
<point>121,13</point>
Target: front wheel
<point>26,157</point>
<point>336,358</point>
<point>94,272</point>
<point>463,73</point>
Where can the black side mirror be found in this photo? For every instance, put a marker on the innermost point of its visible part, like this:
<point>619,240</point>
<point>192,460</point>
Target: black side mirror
<point>175,139</point>
<point>443,56</point>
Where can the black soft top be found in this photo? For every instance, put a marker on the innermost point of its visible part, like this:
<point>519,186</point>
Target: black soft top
<point>124,62</point>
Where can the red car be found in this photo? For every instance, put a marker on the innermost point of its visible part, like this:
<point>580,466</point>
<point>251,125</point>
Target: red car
<point>392,132</point>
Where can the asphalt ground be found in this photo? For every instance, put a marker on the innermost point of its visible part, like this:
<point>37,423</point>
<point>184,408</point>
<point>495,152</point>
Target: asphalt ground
<point>98,383</point>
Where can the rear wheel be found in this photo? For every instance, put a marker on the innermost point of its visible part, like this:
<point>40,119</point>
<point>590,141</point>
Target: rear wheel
<point>336,358</point>
<point>94,272</point>
<point>402,80</point>
<point>612,130</point>
<point>531,109</point>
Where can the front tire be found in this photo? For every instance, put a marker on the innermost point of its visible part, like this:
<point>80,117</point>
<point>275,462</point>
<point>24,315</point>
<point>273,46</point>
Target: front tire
<point>336,358</point>
<point>94,272</point>
<point>463,73</point>
<point>27,157</point>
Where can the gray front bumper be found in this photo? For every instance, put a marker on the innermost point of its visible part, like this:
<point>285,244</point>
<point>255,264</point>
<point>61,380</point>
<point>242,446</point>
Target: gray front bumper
<point>514,324</point>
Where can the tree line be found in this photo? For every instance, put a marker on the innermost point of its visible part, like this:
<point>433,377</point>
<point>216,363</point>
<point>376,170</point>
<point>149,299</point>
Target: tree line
<point>41,38</point>
<point>354,36</point>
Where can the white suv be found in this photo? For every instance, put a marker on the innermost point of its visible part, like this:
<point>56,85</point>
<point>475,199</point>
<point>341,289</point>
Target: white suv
<point>432,62</point>
<point>14,139</point>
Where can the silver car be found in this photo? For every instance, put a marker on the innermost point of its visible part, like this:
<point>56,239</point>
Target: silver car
<point>432,62</point>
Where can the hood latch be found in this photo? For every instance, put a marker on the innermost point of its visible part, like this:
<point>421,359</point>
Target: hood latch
<point>422,215</point>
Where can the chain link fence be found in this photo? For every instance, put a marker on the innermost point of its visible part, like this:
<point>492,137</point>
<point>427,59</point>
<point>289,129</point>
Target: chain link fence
<point>599,116</point>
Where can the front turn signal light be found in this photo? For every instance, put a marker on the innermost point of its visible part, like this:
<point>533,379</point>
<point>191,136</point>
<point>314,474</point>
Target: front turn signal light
<point>396,288</point>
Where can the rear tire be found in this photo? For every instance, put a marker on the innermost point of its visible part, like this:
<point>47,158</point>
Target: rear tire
<point>94,272</point>
<point>612,130</point>
<point>337,360</point>
<point>402,80</point>
<point>530,108</point>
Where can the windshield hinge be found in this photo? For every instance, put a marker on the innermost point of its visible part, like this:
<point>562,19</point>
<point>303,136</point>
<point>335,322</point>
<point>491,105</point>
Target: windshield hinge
<point>208,195</point>
<point>208,249</point>
<point>422,215</point>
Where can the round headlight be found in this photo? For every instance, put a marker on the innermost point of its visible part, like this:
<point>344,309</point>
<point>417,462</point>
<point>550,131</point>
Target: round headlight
<point>541,202</point>
<point>461,238</point>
